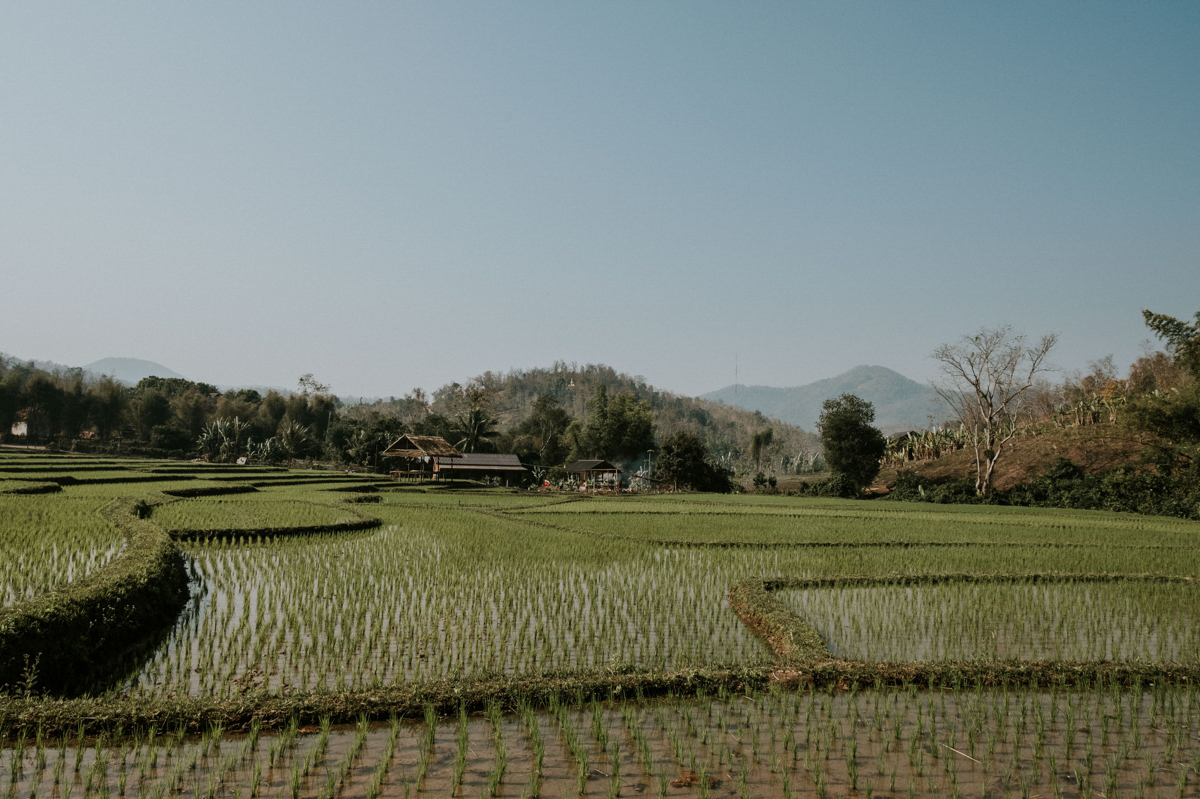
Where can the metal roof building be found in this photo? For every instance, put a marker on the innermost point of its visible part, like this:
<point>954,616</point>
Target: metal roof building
<point>474,465</point>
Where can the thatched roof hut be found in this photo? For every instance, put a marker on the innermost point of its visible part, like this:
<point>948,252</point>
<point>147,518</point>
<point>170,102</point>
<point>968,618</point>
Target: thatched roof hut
<point>428,451</point>
<point>408,446</point>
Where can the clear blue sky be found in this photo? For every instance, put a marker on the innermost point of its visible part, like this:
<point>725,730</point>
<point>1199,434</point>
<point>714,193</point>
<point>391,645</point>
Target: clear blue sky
<point>394,195</point>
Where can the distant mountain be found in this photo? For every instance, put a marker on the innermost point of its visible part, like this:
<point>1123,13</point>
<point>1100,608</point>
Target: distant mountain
<point>900,404</point>
<point>129,370</point>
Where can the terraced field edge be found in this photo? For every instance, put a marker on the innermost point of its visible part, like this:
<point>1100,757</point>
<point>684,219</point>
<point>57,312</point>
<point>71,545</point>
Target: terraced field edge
<point>803,657</point>
<point>55,641</point>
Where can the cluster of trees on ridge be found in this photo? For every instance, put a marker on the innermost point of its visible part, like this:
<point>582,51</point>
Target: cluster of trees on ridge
<point>548,417</point>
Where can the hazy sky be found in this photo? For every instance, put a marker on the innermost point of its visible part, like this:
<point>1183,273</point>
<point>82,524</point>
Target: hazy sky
<point>394,195</point>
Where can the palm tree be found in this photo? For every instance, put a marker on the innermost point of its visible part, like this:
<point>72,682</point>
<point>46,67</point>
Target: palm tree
<point>475,430</point>
<point>295,440</point>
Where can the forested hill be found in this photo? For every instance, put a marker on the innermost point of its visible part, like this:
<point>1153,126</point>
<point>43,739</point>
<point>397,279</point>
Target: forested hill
<point>900,403</point>
<point>728,431</point>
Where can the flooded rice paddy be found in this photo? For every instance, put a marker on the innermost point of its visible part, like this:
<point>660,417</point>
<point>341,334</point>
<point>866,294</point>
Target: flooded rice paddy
<point>349,612</point>
<point>410,601</point>
<point>1124,620</point>
<point>887,742</point>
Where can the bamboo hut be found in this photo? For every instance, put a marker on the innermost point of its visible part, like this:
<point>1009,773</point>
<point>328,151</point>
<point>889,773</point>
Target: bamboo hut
<point>425,456</point>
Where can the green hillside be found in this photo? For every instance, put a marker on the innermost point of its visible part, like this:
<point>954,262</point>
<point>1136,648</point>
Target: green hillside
<point>509,397</point>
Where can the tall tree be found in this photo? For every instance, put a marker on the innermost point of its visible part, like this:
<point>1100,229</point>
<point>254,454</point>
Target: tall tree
<point>544,429</point>
<point>683,461</point>
<point>108,401</point>
<point>761,440</point>
<point>984,377</point>
<point>1183,339</point>
<point>616,429</point>
<point>1173,415</point>
<point>43,405</point>
<point>151,408</point>
<point>853,446</point>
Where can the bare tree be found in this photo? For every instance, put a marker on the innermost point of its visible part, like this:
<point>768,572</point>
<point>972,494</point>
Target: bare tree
<point>984,377</point>
<point>310,385</point>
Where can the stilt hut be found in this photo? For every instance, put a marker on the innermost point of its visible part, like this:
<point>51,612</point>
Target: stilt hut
<point>424,455</point>
<point>596,475</point>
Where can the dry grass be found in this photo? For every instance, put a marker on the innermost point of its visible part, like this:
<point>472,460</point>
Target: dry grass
<point>1097,448</point>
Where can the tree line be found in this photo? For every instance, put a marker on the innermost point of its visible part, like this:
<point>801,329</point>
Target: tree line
<point>548,417</point>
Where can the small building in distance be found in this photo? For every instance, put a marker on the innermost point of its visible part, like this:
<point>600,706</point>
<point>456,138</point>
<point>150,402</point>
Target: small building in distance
<point>596,475</point>
<point>481,465</point>
<point>426,455</point>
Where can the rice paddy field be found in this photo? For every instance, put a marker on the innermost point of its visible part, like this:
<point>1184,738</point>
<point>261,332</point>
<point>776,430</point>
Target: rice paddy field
<point>309,586</point>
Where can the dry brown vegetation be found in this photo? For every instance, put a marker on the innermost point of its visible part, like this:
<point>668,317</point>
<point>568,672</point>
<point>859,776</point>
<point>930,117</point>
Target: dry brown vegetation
<point>1096,448</point>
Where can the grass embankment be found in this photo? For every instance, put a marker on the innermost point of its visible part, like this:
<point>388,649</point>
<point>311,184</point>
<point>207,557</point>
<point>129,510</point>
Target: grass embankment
<point>407,700</point>
<point>62,639</point>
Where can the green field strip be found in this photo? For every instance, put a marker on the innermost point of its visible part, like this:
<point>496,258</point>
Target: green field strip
<point>976,515</point>
<point>365,523</point>
<point>218,468</point>
<point>128,479</point>
<point>776,543</point>
<point>460,587</point>
<point>28,487</point>
<point>193,519</point>
<point>47,542</point>
<point>315,480</point>
<point>57,468</point>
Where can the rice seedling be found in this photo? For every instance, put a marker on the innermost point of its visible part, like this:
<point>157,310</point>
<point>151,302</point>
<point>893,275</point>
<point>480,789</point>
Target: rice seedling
<point>47,541</point>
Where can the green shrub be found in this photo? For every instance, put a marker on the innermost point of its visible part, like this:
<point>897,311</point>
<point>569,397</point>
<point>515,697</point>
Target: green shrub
<point>1066,485</point>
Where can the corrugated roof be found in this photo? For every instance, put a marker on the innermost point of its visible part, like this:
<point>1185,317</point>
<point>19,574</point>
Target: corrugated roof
<point>490,461</point>
<point>592,466</point>
<point>407,446</point>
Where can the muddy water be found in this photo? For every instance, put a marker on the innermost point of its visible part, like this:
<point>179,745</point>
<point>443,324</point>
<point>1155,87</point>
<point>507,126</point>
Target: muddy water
<point>875,743</point>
